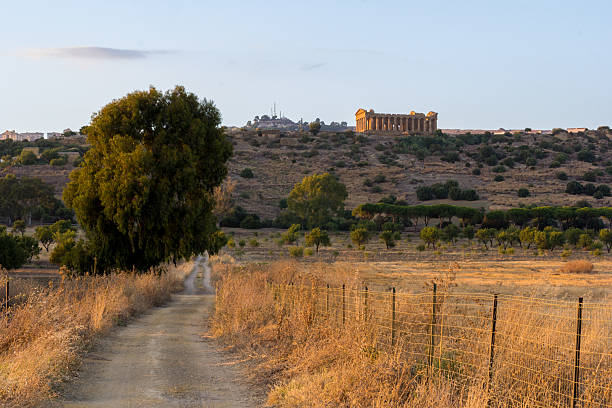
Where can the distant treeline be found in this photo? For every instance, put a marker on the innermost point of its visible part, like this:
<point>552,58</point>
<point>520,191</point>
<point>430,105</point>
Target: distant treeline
<point>540,217</point>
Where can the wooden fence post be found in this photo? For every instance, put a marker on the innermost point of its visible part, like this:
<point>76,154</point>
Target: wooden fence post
<point>393,317</point>
<point>492,346</point>
<point>432,333</point>
<point>343,303</point>
<point>576,384</point>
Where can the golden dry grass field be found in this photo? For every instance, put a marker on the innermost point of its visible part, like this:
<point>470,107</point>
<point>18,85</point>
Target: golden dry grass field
<point>473,269</point>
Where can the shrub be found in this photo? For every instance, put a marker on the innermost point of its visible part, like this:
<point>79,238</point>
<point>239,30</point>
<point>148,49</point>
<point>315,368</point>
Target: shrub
<point>572,235</point>
<point>389,237</point>
<point>291,235</point>
<point>499,178</point>
<point>60,161</point>
<point>231,243</point>
<point>380,178</point>
<point>242,243</point>
<point>420,247</point>
<point>523,192</point>
<point>580,266</point>
<point>308,252</point>
<point>574,187</point>
<point>450,157</point>
<point>589,176</point>
<point>476,172</point>
<point>296,251</point>
<point>247,173</point>
<point>585,241</point>
<point>253,242</point>
<point>27,157</point>
<point>360,236</point>
<point>561,175</point>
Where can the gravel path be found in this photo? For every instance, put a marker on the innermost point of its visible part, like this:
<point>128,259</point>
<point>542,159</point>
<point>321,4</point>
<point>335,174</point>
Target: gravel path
<point>161,359</point>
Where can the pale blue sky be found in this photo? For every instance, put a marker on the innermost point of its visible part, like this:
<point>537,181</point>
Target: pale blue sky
<point>480,64</point>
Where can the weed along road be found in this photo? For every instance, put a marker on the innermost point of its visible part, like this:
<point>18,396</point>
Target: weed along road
<point>161,360</point>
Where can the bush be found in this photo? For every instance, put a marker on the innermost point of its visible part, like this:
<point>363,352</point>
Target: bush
<point>581,266</point>
<point>523,192</point>
<point>27,158</point>
<point>60,161</point>
<point>589,176</point>
<point>380,178</point>
<point>561,175</point>
<point>308,252</point>
<point>360,236</point>
<point>476,172</point>
<point>247,173</point>
<point>499,178</point>
<point>574,187</point>
<point>450,157</point>
<point>296,251</point>
<point>242,243</point>
<point>253,242</point>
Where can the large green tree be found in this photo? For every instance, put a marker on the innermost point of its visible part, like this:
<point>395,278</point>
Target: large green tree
<point>317,198</point>
<point>144,191</point>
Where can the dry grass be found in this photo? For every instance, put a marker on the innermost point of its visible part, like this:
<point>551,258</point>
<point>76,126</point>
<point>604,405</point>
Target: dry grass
<point>44,335</point>
<point>275,314</point>
<point>581,266</point>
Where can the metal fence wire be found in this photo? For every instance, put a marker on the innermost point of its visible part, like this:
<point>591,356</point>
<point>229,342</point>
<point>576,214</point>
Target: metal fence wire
<point>525,351</point>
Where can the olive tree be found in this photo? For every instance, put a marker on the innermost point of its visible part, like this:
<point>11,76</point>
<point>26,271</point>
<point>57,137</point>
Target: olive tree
<point>317,237</point>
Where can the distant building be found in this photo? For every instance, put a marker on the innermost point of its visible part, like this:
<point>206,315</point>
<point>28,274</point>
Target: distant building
<point>20,137</point>
<point>392,122</point>
<point>266,122</point>
<point>54,135</point>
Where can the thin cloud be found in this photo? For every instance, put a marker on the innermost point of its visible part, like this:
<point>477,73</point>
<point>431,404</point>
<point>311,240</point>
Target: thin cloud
<point>310,67</point>
<point>92,53</point>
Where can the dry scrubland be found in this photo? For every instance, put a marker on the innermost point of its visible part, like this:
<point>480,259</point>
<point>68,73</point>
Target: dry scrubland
<point>279,162</point>
<point>48,328</point>
<point>282,317</point>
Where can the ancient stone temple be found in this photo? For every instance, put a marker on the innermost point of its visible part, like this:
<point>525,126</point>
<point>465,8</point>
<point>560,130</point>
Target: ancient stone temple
<point>392,122</point>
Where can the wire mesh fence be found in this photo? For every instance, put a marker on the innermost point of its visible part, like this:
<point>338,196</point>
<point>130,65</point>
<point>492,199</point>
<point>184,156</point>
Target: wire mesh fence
<point>524,351</point>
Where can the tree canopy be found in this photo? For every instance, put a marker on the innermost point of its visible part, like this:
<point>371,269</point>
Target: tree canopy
<point>25,198</point>
<point>317,198</point>
<point>144,191</point>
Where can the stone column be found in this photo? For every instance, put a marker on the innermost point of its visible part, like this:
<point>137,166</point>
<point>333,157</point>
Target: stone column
<point>388,123</point>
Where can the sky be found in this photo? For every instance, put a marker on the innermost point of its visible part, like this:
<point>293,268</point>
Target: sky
<point>479,64</point>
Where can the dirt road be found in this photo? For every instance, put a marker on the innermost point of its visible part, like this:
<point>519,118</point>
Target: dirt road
<point>161,360</point>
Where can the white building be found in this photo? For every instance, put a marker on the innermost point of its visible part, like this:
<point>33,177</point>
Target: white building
<point>20,137</point>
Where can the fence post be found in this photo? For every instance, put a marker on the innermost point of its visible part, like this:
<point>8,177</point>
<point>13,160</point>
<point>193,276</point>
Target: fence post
<point>343,303</point>
<point>433,327</point>
<point>393,317</point>
<point>492,346</point>
<point>327,300</point>
<point>365,317</point>
<point>6,299</point>
<point>576,384</point>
